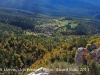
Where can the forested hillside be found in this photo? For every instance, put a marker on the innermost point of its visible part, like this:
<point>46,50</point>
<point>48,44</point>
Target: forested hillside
<point>47,25</point>
<point>22,51</point>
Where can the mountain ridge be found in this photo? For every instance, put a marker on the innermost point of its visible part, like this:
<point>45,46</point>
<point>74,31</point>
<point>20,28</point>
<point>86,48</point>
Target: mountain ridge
<point>97,2</point>
<point>53,7</point>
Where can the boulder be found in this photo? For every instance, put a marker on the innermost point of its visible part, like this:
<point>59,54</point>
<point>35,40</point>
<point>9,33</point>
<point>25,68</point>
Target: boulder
<point>97,55</point>
<point>79,55</point>
<point>40,71</point>
<point>83,54</point>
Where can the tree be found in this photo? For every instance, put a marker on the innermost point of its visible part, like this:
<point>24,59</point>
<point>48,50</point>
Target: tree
<point>94,68</point>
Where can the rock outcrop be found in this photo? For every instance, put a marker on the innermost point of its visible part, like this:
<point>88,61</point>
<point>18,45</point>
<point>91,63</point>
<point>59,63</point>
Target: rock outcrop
<point>79,59</point>
<point>46,71</point>
<point>40,71</point>
<point>82,55</point>
<point>96,54</point>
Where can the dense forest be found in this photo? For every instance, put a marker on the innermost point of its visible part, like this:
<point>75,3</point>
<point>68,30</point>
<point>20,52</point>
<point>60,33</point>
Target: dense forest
<point>29,40</point>
<point>24,51</point>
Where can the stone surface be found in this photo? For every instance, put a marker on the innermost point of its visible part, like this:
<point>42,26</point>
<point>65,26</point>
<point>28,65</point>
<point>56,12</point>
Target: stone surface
<point>79,56</point>
<point>93,55</point>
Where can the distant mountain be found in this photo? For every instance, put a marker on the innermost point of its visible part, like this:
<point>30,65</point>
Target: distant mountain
<point>54,7</point>
<point>93,1</point>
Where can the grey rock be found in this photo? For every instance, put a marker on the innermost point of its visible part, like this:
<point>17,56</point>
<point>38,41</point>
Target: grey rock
<point>79,59</point>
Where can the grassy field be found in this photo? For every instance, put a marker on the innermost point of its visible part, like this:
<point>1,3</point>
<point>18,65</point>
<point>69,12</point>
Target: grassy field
<point>73,25</point>
<point>58,25</point>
